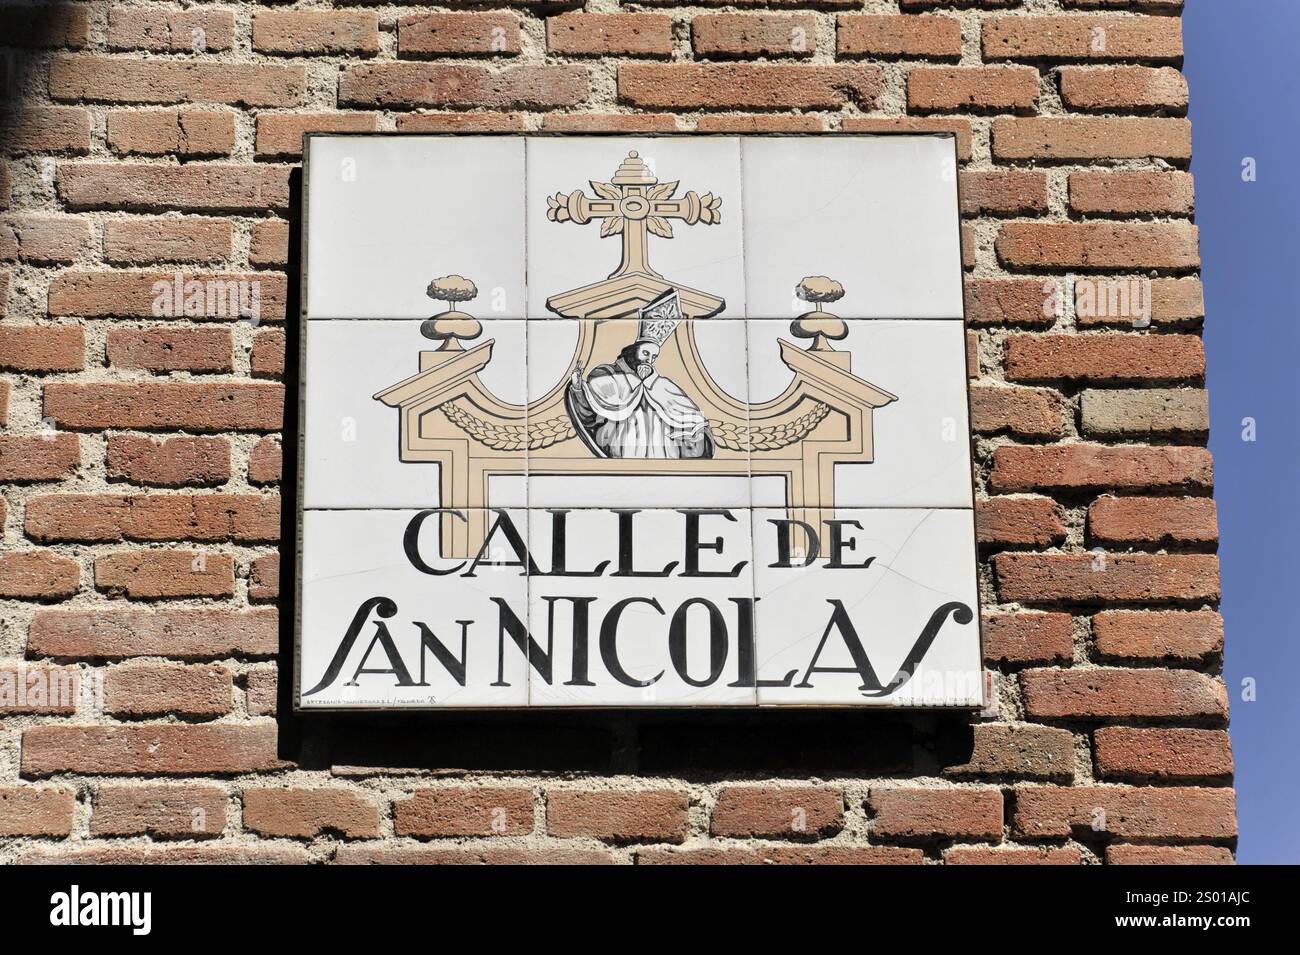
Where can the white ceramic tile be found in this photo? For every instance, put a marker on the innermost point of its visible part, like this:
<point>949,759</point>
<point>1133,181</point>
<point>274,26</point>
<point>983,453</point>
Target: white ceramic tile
<point>565,255</point>
<point>865,621</point>
<point>920,440</point>
<point>623,625</point>
<point>353,439</point>
<point>632,460</point>
<point>361,564</point>
<point>877,214</point>
<point>388,214</point>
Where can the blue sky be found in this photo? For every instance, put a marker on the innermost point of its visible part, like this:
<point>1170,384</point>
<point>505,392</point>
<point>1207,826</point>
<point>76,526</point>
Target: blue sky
<point>1241,66</point>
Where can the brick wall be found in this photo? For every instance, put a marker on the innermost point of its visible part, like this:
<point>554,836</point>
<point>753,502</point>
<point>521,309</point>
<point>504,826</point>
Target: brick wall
<point>140,456</point>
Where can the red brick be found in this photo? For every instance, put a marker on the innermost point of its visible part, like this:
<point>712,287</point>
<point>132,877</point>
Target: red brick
<point>161,811</point>
<point>170,31</point>
<point>264,578</point>
<point>603,34</point>
<point>1099,245</point>
<point>154,689</point>
<point>1131,192</point>
<point>1108,692</point>
<point>409,85</point>
<point>967,89</point>
<point>828,854</point>
<point>961,128</point>
<point>1013,855</point>
<point>169,462</point>
<point>37,810</point>
<point>369,854</point>
<point>43,690</point>
<point>1173,301</point>
<point>295,32</point>
<point>1123,87</point>
<point>1035,578</point>
<point>1028,638</point>
<point>43,240</point>
<point>185,133</point>
<point>760,123</point>
<point>264,462</point>
<point>1168,855</point>
<point>1012,749</point>
<point>261,695</point>
<point>722,35</point>
<point>167,405</point>
<point>267,359</point>
<point>1111,358</point>
<point>171,749</point>
<point>6,187</point>
<point>1071,138</point>
<point>1095,466</point>
<point>1010,302</point>
<point>466,34</point>
<point>52,456</point>
<point>619,122</point>
<point>650,815</point>
<point>139,241</point>
<point>269,245</point>
<point>279,135</point>
<point>1153,520</point>
<point>1028,412</point>
<point>42,347</point>
<point>151,187</point>
<point>118,853</point>
<point>917,813</point>
<point>465,811</point>
<point>777,812</point>
<point>45,25</point>
<point>1129,812</point>
<point>1072,38</point>
<point>171,349</point>
<point>931,38</point>
<point>304,813</point>
<point>153,517</point>
<point>142,575</point>
<point>483,122</point>
<point>190,634</point>
<point>1010,192</point>
<point>1036,521</point>
<point>113,79</point>
<point>1125,752</point>
<point>747,85</point>
<point>46,129</point>
<point>1155,635</point>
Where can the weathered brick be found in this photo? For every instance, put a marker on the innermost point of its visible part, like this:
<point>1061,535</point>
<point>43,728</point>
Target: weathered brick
<point>37,810</point>
<point>153,517</point>
<point>279,135</point>
<point>179,811</point>
<point>1126,812</point>
<point>265,462</point>
<point>1027,412</point>
<point>154,689</point>
<point>267,359</point>
<point>170,462</point>
<point>42,347</point>
<point>370,854</point>
<point>649,815</point>
<point>760,123</point>
<point>1092,578</point>
<point>465,811</point>
<point>1109,692</point>
<point>1009,302</point>
<point>1036,521</point>
<point>1165,755</point>
<point>151,187</point>
<point>304,813</point>
<point>611,122</point>
<point>1018,749</point>
<point>829,854</point>
<point>296,32</point>
<point>1153,520</point>
<point>747,85</point>
<point>1131,192</point>
<point>269,245</point>
<point>151,239</point>
<point>118,853</point>
<point>190,634</point>
<point>38,689</point>
<point>1168,855</point>
<point>1155,635</point>
<point>167,405</point>
<point>483,34</point>
<point>1099,245</point>
<point>1110,358</point>
<point>722,35</point>
<point>1074,138</point>
<point>1013,855</point>
<point>171,749</point>
<point>967,89</point>
<point>482,121</point>
<point>43,129</point>
<point>915,813</point>
<point>1067,467</point>
<point>1019,638</point>
<point>1123,87</point>
<point>777,812</point>
<point>1172,301</point>
<point>149,574</point>
<point>1070,38</point>
<point>43,239</point>
<point>113,79</point>
<point>38,574</point>
<point>1011,192</point>
<point>1145,412</point>
<point>171,349</point>
<point>52,456</point>
<point>197,30</point>
<point>960,128</point>
<point>185,133</point>
<point>409,85</point>
<point>928,37</point>
<point>264,578</point>
<point>262,691</point>
<point>45,25</point>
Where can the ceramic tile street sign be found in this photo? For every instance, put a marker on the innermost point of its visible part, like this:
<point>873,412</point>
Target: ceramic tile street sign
<point>684,424</point>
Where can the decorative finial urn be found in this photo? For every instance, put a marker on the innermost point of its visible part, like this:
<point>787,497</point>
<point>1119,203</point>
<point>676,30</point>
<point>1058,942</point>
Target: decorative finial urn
<point>821,326</point>
<point>451,327</point>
